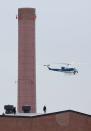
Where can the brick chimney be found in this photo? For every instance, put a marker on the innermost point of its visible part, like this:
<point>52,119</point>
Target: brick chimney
<point>26,59</point>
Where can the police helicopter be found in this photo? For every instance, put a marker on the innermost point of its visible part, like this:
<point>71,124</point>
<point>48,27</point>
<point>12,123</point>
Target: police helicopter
<point>65,68</point>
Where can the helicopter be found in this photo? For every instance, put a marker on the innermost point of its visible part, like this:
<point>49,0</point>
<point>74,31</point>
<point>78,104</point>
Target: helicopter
<point>65,68</point>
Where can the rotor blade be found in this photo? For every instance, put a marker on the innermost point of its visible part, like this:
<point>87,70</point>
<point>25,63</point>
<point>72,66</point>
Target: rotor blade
<point>47,65</point>
<point>63,63</point>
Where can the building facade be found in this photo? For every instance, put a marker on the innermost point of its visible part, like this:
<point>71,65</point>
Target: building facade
<point>58,121</point>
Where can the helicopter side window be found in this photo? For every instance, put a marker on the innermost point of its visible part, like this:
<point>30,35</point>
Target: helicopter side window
<point>62,68</point>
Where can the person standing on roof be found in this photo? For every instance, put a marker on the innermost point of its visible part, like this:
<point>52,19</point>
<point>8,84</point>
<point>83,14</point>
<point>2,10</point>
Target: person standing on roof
<point>44,109</point>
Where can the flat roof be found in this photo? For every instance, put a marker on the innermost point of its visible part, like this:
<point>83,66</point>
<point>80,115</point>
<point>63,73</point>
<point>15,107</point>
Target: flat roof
<point>23,114</point>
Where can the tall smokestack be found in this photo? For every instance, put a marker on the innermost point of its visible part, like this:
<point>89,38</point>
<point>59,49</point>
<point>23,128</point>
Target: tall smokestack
<point>26,59</point>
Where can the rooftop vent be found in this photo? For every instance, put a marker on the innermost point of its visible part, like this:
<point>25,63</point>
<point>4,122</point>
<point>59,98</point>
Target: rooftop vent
<point>10,109</point>
<point>26,109</point>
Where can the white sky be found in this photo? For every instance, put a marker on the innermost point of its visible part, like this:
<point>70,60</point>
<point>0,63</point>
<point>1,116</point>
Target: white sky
<point>63,34</point>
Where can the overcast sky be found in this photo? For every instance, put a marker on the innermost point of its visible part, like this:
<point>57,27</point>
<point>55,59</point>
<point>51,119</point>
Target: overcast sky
<point>63,34</point>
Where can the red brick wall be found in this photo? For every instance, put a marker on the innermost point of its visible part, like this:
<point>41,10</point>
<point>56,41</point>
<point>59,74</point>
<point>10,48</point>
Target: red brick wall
<point>67,121</point>
<point>41,123</point>
<point>26,59</point>
<point>80,122</point>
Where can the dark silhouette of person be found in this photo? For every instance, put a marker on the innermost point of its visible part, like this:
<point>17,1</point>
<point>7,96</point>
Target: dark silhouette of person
<point>14,110</point>
<point>44,109</point>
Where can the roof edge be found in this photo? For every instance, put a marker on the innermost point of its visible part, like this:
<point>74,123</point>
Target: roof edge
<point>47,114</point>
